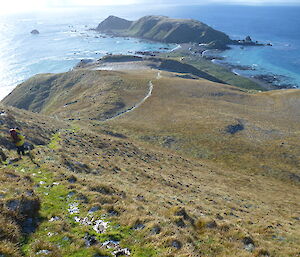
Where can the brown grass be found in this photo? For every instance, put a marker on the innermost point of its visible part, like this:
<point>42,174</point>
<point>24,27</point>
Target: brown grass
<point>175,155</point>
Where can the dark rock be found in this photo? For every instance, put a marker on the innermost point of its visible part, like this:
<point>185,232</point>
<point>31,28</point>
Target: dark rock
<point>140,198</point>
<point>24,207</point>
<point>177,244</point>
<point>248,240</point>
<point>103,190</point>
<point>233,129</point>
<point>180,223</point>
<point>155,230</point>
<point>138,226</point>
<point>248,39</point>
<point>29,225</point>
<point>113,212</point>
<point>294,177</point>
<point>248,244</point>
<point>275,80</point>
<point>28,146</point>
<point>35,32</point>
<point>72,179</point>
<point>94,209</point>
<point>182,212</point>
<point>169,141</point>
<point>71,194</point>
<point>211,224</point>
<point>82,197</point>
<point>89,240</point>
<point>69,103</point>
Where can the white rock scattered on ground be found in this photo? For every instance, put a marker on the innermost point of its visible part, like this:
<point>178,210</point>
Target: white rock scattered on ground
<point>73,208</point>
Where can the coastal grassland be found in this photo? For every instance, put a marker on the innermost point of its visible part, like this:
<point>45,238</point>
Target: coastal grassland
<point>18,205</point>
<point>202,208</point>
<point>79,94</point>
<point>157,201</point>
<point>205,208</point>
<point>202,119</point>
<point>215,70</point>
<point>199,168</point>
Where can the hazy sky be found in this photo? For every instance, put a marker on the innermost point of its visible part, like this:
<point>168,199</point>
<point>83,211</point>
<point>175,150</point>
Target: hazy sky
<point>8,6</point>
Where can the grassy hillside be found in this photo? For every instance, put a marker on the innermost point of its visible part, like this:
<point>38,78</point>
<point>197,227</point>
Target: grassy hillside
<point>217,71</point>
<point>247,132</point>
<point>164,29</point>
<point>77,94</point>
<point>197,169</point>
<point>113,23</point>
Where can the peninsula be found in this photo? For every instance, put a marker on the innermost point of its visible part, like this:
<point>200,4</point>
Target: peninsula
<point>169,30</point>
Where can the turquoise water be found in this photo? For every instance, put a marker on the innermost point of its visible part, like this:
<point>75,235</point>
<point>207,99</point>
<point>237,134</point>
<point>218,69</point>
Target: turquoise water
<point>276,24</point>
<point>65,39</point>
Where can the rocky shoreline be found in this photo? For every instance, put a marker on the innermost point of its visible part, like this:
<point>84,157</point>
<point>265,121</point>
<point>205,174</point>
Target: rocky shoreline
<point>268,81</point>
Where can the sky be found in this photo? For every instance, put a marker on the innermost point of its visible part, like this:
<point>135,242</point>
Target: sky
<point>13,6</point>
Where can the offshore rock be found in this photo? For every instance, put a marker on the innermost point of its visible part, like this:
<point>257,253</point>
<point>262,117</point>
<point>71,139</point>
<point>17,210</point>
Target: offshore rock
<point>35,32</point>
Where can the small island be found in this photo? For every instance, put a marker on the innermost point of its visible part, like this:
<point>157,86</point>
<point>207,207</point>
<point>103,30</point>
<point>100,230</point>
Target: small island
<point>35,32</point>
<point>168,30</point>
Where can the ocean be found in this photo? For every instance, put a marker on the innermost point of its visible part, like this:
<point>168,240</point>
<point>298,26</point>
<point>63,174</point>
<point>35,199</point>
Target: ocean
<point>65,39</point>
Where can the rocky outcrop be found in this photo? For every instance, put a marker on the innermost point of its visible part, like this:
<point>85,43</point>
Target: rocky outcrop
<point>248,39</point>
<point>113,23</point>
<point>35,32</point>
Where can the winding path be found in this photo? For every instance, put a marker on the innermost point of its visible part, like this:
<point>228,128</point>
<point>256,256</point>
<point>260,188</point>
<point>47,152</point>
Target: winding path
<point>136,105</point>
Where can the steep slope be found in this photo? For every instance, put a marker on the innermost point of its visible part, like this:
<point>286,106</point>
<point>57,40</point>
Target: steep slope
<point>113,23</point>
<point>199,168</point>
<point>78,94</point>
<point>90,92</point>
<point>155,202</point>
<point>164,29</point>
<point>251,133</point>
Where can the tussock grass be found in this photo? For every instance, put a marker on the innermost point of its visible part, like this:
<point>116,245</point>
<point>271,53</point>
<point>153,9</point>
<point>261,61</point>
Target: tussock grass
<point>175,164</point>
<point>18,203</point>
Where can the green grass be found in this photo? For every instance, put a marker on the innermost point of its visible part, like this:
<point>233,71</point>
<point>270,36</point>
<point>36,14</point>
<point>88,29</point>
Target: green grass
<point>175,153</point>
<point>54,143</point>
<point>215,70</point>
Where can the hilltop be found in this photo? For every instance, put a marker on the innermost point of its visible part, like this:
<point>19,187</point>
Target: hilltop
<point>169,161</point>
<point>165,29</point>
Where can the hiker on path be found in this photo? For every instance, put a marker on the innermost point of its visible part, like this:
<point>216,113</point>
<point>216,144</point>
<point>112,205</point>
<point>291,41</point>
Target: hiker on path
<point>19,140</point>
